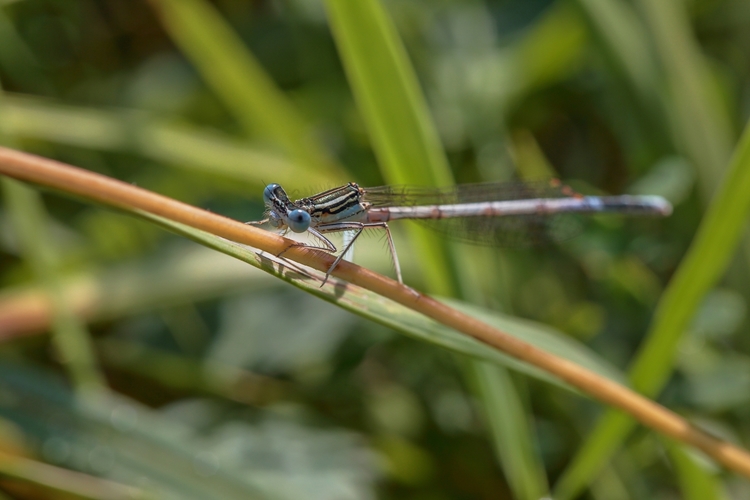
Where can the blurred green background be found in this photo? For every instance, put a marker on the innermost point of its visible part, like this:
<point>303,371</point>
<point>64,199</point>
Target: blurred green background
<point>173,371</point>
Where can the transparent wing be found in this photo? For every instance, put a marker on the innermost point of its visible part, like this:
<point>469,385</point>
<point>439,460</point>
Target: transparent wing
<point>507,231</point>
<point>513,231</point>
<point>410,196</point>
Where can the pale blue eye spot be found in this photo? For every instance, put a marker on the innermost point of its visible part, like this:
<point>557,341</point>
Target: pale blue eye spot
<point>298,221</point>
<point>595,203</point>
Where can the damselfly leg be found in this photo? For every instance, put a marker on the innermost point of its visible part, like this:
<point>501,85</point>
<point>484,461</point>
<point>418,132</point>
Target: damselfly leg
<point>358,228</point>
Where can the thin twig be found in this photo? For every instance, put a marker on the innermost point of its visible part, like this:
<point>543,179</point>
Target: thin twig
<point>115,193</point>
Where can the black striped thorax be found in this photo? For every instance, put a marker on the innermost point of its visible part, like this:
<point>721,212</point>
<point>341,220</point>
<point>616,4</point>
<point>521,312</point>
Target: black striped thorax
<point>344,203</point>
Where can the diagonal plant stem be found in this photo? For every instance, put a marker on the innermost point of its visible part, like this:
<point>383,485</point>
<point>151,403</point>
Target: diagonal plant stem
<point>114,193</point>
<point>56,482</point>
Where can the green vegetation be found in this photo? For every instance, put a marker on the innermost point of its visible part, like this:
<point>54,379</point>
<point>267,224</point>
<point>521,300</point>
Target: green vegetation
<point>136,363</point>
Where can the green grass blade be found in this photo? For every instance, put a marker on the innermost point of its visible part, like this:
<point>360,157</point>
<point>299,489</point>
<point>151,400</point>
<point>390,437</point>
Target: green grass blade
<point>240,81</point>
<point>179,145</point>
<point>697,480</point>
<point>551,50</point>
<point>403,136</point>
<point>623,38</point>
<point>388,95</point>
<point>699,120</point>
<point>124,288</point>
<point>130,289</point>
<point>617,25</point>
<point>409,152</point>
<point>18,60</point>
<point>706,261</point>
<point>376,308</point>
<point>512,434</point>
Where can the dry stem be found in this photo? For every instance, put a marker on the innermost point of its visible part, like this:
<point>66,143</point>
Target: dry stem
<point>115,193</point>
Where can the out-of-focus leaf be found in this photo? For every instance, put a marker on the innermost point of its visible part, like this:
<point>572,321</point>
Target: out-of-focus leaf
<point>258,332</point>
<point>529,158</point>
<point>609,486</point>
<point>698,480</point>
<point>550,51</point>
<point>624,39</point>
<point>698,117</point>
<point>544,337</point>
<point>183,373</point>
<point>388,94</point>
<point>721,314</point>
<point>71,338</point>
<point>122,440</point>
<point>474,87</point>
<point>512,432</point>
<point>25,475</point>
<point>177,144</point>
<point>240,81</point>
<point>183,274</point>
<point>17,60</point>
<point>724,385</point>
<point>672,178</point>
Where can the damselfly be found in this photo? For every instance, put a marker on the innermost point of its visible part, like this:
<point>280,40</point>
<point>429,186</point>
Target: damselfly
<point>503,214</point>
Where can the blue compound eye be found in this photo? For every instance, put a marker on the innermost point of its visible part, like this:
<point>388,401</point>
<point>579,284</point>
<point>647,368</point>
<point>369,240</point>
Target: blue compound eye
<point>269,193</point>
<point>298,220</point>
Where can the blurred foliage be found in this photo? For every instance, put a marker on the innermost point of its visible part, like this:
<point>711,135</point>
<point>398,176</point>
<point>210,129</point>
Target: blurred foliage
<point>224,383</point>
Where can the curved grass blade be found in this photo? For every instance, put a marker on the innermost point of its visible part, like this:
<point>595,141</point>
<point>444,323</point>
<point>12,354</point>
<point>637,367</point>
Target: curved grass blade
<point>240,81</point>
<point>160,140</point>
<point>707,259</point>
<point>512,434</point>
<point>388,96</point>
<point>377,308</point>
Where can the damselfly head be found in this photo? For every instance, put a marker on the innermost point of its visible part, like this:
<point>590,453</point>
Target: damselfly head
<point>274,195</point>
<point>277,203</point>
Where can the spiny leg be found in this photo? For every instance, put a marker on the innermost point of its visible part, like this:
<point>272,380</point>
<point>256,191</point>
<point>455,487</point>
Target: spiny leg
<point>341,256</point>
<point>392,248</point>
<point>329,246</point>
<point>360,227</point>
